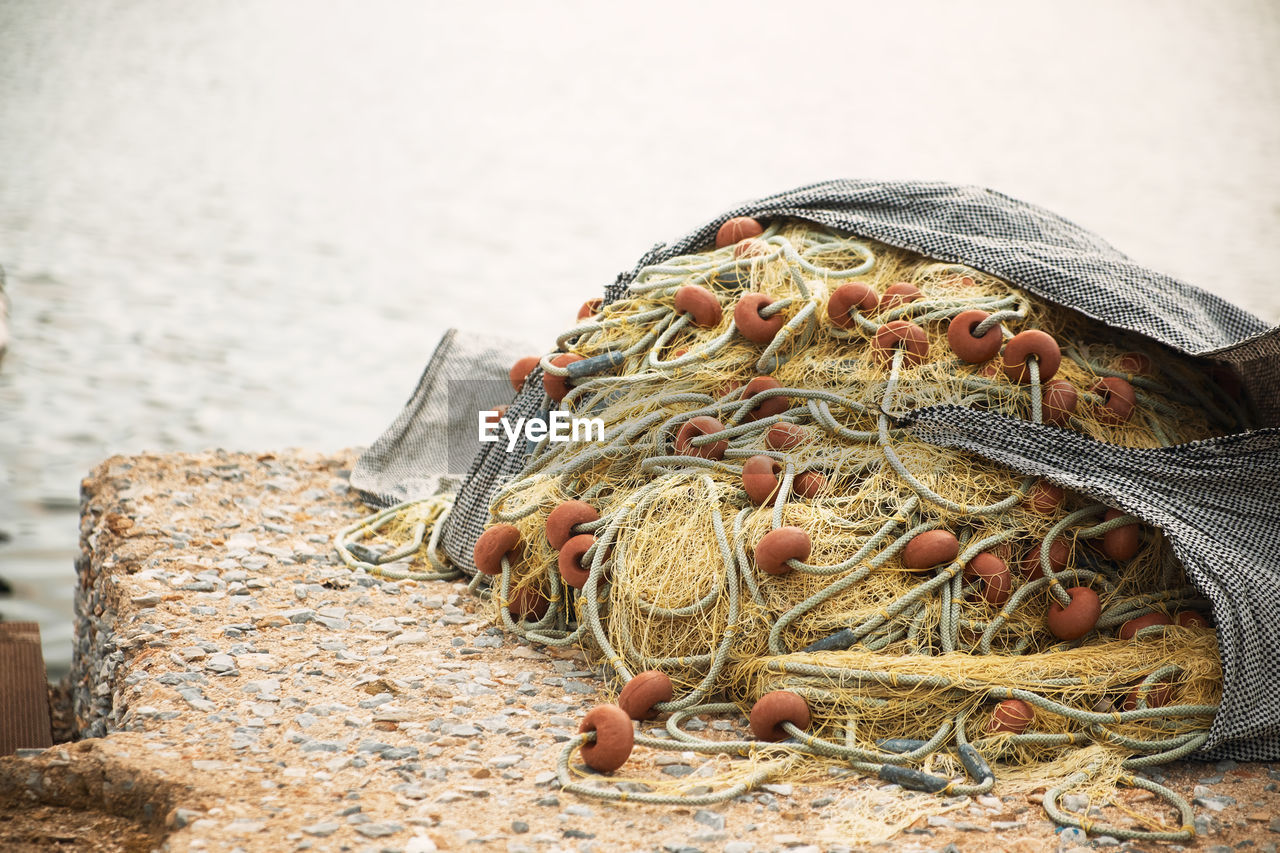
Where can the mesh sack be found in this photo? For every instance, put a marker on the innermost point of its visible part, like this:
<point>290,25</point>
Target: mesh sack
<point>1214,500</point>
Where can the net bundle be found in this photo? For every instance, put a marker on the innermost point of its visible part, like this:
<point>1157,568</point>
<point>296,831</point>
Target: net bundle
<point>759,534</point>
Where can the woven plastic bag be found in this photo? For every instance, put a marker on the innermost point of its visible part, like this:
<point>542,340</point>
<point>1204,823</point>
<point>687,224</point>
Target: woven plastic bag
<point>1217,500</point>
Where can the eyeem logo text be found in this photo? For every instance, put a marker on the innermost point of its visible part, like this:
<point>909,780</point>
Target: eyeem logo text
<point>561,427</point>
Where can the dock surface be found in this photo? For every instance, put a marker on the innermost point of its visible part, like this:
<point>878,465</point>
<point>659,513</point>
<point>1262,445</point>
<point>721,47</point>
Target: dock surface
<point>237,687</point>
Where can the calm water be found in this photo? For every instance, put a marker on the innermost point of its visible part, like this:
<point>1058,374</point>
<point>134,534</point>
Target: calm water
<point>244,224</point>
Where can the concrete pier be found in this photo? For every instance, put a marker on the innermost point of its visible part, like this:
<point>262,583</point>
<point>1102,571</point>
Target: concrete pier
<point>236,687</point>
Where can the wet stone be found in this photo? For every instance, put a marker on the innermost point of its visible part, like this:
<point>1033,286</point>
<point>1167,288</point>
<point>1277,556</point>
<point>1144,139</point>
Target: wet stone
<point>398,753</point>
<point>1206,798</point>
<point>379,830</point>
<point>264,687</point>
<point>321,746</point>
<point>1075,802</point>
<point>460,730</point>
<point>321,830</point>
<point>633,787</point>
<point>220,663</point>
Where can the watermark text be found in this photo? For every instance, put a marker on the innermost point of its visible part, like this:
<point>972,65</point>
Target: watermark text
<point>558,426</point>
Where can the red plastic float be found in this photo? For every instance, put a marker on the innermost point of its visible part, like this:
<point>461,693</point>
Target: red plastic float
<point>1077,618</point>
<point>997,586</point>
<point>1118,399</point>
<point>746,316</point>
<point>1123,542</point>
<point>701,303</point>
<point>848,296</point>
<point>558,386</point>
<point>899,332</point>
<point>767,408</point>
<point>498,541</point>
<point>590,308</point>
<point>931,548</point>
<point>737,229</point>
<point>777,546</point>
<point>983,560</point>
<point>969,346</point>
<point>773,709</point>
<point>520,371</point>
<point>569,562</point>
<point>1159,695</point>
<point>1133,626</point>
<point>1191,619</point>
<point>997,581</point>
<point>1045,497</point>
<point>566,516</point>
<point>1058,401</point>
<point>760,476</point>
<point>1059,553</point>
<point>1134,363</point>
<point>750,248</point>
<point>528,602</point>
<point>1012,715</point>
<point>643,691</point>
<point>1022,346</point>
<point>785,436</point>
<point>694,427</point>
<point>899,293</point>
<point>615,738</point>
<point>808,484</point>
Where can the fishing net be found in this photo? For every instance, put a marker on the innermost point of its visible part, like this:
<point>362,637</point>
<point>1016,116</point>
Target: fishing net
<point>766,532</point>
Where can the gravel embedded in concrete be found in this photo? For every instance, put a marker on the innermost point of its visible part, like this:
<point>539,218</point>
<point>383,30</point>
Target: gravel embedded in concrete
<point>267,697</point>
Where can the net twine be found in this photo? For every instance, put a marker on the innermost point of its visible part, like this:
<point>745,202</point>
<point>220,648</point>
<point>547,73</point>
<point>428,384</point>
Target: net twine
<point>899,667</point>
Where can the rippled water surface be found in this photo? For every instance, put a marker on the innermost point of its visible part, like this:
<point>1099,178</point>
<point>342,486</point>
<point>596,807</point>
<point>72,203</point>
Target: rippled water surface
<point>244,224</point>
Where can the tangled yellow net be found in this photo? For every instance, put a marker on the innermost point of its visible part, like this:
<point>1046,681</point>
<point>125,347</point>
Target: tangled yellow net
<point>759,532</point>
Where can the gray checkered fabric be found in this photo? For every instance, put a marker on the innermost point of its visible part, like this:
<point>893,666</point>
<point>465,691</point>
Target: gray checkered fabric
<point>1218,501</point>
<point>410,459</point>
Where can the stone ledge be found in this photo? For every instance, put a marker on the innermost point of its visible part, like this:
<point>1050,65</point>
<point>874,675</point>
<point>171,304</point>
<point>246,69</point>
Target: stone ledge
<point>240,688</point>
